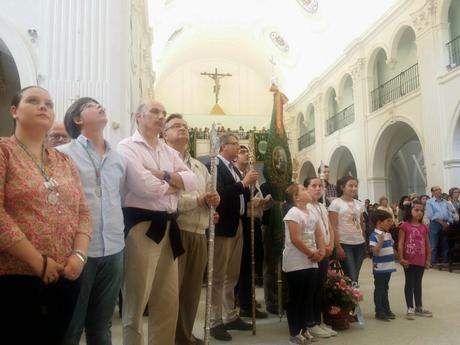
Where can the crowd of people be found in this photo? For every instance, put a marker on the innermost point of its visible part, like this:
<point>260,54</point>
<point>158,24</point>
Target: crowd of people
<point>81,221</point>
<point>241,133</point>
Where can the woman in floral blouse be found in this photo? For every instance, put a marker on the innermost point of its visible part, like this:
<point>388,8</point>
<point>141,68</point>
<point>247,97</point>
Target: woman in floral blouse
<point>44,227</point>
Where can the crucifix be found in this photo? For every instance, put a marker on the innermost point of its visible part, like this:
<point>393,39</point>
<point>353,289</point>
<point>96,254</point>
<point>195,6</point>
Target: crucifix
<point>216,77</point>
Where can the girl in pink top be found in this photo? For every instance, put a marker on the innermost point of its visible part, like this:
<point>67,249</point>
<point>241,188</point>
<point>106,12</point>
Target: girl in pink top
<point>415,256</point>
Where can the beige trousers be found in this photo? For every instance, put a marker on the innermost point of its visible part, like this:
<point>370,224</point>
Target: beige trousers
<point>150,276</point>
<point>227,261</point>
<point>191,271</point>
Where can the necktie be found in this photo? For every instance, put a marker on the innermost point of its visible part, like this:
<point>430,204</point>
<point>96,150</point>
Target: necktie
<point>237,179</point>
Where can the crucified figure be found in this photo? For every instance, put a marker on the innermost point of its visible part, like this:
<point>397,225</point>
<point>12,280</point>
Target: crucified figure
<point>216,77</point>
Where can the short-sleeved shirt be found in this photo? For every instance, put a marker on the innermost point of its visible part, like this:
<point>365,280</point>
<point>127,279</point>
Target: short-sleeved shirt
<point>293,258</point>
<point>414,243</point>
<point>320,211</point>
<point>348,220</point>
<point>384,261</point>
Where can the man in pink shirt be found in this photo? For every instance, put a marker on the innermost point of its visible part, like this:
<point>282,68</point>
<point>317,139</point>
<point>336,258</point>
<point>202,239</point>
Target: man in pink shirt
<point>155,175</point>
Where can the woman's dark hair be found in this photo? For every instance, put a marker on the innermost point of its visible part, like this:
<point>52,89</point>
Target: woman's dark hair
<point>75,110</point>
<point>408,209</point>
<point>18,97</point>
<point>401,201</point>
<point>380,216</point>
<point>308,180</point>
<point>343,182</point>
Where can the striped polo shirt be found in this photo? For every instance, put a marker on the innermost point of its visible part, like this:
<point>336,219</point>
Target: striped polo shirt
<point>384,262</point>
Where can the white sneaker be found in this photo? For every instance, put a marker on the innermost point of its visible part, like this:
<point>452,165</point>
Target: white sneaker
<point>318,332</point>
<point>410,315</point>
<point>297,340</point>
<point>328,329</point>
<point>309,338</point>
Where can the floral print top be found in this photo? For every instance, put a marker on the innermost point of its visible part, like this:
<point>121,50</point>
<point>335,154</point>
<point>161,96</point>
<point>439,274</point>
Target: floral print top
<point>26,213</point>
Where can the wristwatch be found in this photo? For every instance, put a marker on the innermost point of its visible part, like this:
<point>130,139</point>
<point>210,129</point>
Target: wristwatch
<point>166,176</point>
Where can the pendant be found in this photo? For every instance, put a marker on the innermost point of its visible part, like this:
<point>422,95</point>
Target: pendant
<point>98,191</point>
<point>52,198</point>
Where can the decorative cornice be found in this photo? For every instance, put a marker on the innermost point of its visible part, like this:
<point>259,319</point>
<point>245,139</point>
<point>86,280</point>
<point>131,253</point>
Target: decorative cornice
<point>425,17</point>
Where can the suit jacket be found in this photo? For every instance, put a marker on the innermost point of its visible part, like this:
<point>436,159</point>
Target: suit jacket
<point>229,207</point>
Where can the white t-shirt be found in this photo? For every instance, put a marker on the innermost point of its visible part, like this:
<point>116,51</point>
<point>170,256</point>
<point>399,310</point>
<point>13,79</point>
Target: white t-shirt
<point>293,258</point>
<point>320,211</point>
<point>348,220</point>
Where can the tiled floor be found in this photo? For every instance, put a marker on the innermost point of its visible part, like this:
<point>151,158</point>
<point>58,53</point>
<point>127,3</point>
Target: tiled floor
<point>441,296</point>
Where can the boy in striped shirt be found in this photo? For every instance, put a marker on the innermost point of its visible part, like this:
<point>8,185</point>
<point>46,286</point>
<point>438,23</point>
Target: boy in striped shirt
<point>383,261</point>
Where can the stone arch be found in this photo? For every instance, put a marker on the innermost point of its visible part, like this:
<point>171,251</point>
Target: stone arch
<point>302,128</point>
<point>330,101</point>
<point>341,163</point>
<point>371,63</point>
<point>403,49</point>
<point>20,52</point>
<point>307,170</point>
<point>398,163</point>
<point>345,91</point>
<point>452,164</point>
<point>310,117</point>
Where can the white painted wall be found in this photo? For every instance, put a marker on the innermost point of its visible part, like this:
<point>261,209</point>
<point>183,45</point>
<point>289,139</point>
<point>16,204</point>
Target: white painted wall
<point>433,111</point>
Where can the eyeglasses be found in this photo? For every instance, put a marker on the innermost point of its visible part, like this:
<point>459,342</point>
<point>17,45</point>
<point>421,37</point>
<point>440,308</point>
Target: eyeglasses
<point>177,126</point>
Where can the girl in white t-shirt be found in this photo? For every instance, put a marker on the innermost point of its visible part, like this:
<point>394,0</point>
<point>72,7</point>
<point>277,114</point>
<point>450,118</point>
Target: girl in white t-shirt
<point>346,218</point>
<point>316,190</point>
<point>303,249</point>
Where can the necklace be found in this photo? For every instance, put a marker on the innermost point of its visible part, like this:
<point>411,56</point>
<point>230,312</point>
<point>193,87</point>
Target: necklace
<point>320,211</point>
<point>98,189</point>
<point>354,219</point>
<point>50,183</point>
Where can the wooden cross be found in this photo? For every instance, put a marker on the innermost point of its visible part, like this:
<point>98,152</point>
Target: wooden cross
<point>216,77</point>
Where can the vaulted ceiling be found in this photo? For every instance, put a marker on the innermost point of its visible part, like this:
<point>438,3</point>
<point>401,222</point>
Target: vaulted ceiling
<point>302,37</point>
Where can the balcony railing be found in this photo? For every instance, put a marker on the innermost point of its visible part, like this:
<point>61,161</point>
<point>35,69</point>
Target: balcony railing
<point>306,139</point>
<point>454,52</point>
<point>341,119</point>
<point>404,83</point>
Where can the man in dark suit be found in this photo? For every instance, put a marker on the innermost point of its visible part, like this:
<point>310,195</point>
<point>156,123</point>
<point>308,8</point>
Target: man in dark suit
<point>234,192</point>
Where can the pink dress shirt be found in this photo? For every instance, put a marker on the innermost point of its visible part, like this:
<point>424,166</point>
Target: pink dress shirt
<point>142,188</point>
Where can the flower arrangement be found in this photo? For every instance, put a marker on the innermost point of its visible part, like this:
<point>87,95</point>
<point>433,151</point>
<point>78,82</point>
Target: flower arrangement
<point>340,293</point>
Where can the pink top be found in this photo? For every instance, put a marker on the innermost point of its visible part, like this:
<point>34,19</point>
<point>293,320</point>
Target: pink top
<point>142,188</point>
<point>26,213</point>
<point>414,243</point>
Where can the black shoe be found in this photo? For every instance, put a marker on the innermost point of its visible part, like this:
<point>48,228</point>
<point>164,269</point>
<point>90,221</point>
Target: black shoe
<point>248,313</point>
<point>220,333</point>
<point>238,325</point>
<point>382,317</point>
<point>390,315</point>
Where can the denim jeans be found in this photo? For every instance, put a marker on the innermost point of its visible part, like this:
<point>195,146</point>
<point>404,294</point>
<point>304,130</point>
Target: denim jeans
<point>438,237</point>
<point>381,285</point>
<point>355,256</point>
<point>100,284</point>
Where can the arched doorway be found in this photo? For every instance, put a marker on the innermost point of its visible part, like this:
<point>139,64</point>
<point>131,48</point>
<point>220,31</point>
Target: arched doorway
<point>307,170</point>
<point>9,85</point>
<point>398,162</point>
<point>341,164</point>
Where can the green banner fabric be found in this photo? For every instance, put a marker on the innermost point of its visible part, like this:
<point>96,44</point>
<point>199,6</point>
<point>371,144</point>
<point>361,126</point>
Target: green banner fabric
<point>260,141</point>
<point>277,170</point>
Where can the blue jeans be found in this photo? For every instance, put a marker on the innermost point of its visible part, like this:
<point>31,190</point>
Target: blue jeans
<point>355,256</point>
<point>381,285</point>
<point>100,285</point>
<point>438,237</point>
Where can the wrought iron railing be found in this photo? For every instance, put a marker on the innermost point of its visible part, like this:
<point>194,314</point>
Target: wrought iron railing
<point>404,83</point>
<point>341,119</point>
<point>454,52</point>
<point>306,139</point>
